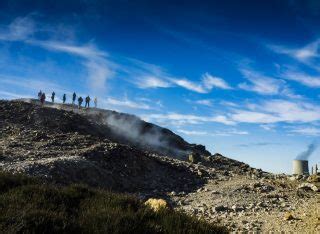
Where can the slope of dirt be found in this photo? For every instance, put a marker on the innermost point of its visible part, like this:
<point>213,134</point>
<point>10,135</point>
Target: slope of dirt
<point>131,130</point>
<point>66,147</point>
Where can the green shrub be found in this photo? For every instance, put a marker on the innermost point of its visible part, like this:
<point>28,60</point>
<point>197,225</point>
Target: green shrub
<point>29,206</point>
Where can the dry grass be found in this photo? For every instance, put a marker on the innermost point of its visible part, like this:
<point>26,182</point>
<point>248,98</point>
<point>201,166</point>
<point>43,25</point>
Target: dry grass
<point>29,206</point>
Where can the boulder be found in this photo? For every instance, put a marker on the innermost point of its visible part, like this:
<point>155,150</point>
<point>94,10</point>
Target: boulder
<point>310,186</point>
<point>220,208</point>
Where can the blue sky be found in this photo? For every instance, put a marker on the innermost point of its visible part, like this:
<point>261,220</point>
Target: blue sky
<point>240,77</point>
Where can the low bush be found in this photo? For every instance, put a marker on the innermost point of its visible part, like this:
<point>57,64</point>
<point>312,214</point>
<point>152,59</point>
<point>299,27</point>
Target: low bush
<point>29,206</point>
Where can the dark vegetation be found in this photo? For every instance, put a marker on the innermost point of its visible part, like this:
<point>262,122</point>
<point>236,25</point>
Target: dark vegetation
<point>30,206</point>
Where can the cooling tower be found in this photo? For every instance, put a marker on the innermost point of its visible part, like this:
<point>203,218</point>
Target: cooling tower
<point>300,167</point>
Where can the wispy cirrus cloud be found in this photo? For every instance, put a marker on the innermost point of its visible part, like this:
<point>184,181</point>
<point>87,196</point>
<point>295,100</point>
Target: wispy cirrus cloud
<point>268,127</point>
<point>20,29</point>
<point>148,76</point>
<point>99,68</point>
<point>150,81</point>
<point>126,103</point>
<point>265,85</point>
<point>229,132</point>
<point>259,144</point>
<point>306,131</point>
<point>11,95</point>
<point>207,83</point>
<point>30,84</point>
<point>182,119</point>
<point>260,83</point>
<point>193,132</point>
<point>164,80</point>
<point>210,82</point>
<point>303,54</point>
<point>266,113</point>
<point>302,78</point>
<point>276,111</point>
<point>204,102</point>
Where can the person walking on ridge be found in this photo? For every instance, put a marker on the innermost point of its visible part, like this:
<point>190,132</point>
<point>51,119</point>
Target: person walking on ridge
<point>95,102</point>
<point>39,94</point>
<point>80,100</point>
<point>88,101</point>
<point>64,98</point>
<point>74,96</point>
<point>52,96</point>
<point>42,98</point>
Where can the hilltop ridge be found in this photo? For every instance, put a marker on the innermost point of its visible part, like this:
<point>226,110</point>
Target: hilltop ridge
<point>131,130</point>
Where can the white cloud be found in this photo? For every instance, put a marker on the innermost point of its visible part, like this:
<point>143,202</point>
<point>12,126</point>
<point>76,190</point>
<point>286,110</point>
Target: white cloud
<point>266,113</point>
<point>303,54</point>
<point>244,116</point>
<point>99,68</point>
<point>307,80</point>
<point>277,110</point>
<point>227,103</point>
<point>210,82</point>
<point>18,30</point>
<point>99,71</point>
<point>308,55</point>
<point>152,76</point>
<point>308,131</point>
<point>86,51</point>
<point>150,81</point>
<point>98,64</point>
<point>187,84</point>
<point>260,84</point>
<point>268,127</point>
<point>10,95</point>
<point>205,102</point>
<point>231,132</point>
<point>181,119</point>
<point>126,103</point>
<point>265,85</point>
<point>214,133</point>
<point>30,84</point>
<point>193,133</point>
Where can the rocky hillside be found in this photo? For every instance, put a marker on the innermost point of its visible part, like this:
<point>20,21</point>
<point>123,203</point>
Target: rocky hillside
<point>65,147</point>
<point>131,130</point>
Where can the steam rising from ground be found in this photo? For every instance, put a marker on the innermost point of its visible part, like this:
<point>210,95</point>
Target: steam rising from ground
<point>136,130</point>
<point>306,154</point>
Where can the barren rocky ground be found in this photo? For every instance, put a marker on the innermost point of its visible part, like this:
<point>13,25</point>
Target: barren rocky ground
<point>64,147</point>
<point>255,204</point>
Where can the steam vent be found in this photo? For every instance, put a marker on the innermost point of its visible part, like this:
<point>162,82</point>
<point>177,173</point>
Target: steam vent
<point>300,167</point>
